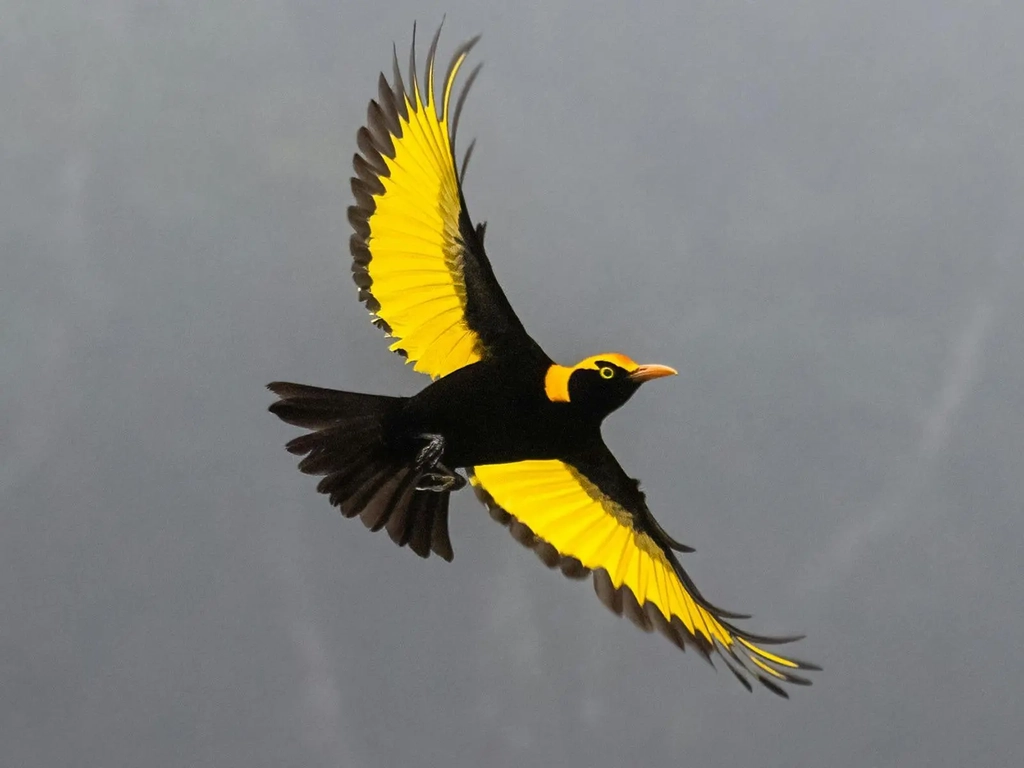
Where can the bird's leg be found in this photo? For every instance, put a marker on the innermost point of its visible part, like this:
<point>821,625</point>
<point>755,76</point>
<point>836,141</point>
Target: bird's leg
<point>435,476</point>
<point>431,453</point>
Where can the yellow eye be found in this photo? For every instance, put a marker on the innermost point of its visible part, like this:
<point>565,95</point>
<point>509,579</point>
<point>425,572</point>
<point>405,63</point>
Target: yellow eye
<point>606,372</point>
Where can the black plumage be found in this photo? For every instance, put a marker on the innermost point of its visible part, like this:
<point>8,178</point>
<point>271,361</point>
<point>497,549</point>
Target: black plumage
<point>526,430</point>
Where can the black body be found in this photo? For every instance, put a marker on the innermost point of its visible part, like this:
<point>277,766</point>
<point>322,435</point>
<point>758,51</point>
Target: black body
<point>498,399</point>
<point>491,413</point>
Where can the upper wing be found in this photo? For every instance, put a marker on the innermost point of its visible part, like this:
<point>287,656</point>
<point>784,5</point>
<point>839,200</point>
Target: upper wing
<point>418,261</point>
<point>587,515</point>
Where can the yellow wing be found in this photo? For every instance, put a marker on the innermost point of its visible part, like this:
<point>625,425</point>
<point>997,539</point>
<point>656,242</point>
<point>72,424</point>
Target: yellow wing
<point>418,261</point>
<point>588,516</point>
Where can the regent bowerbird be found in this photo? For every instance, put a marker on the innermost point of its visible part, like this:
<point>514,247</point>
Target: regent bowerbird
<point>524,429</point>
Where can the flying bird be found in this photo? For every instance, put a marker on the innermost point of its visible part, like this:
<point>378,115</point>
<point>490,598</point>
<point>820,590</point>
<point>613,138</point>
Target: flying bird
<point>499,415</point>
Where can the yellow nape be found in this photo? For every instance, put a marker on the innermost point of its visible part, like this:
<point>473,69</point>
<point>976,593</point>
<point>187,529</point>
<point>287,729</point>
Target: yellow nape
<point>556,380</point>
<point>556,383</point>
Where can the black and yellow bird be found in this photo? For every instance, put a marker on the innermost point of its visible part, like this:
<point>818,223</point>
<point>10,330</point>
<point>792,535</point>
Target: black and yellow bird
<point>526,429</point>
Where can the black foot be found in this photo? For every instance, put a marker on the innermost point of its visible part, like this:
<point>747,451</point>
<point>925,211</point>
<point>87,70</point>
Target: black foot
<point>435,476</point>
<point>430,453</point>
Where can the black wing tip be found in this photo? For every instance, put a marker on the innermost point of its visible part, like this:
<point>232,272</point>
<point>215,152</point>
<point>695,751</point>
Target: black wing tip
<point>432,52</point>
<point>413,78</point>
<point>772,686</point>
<point>763,669</point>
<point>768,639</point>
<point>738,675</point>
<point>465,159</point>
<point>461,101</point>
<point>797,680</point>
<point>383,116</point>
<point>724,614</point>
<point>621,601</point>
<point>806,665</point>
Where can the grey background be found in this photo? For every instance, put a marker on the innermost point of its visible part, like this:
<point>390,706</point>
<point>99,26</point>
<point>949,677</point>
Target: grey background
<point>810,208</point>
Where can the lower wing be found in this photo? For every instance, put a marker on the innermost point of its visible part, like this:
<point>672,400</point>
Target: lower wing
<point>586,516</point>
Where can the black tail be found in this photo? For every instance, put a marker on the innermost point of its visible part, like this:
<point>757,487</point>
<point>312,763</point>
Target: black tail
<point>362,476</point>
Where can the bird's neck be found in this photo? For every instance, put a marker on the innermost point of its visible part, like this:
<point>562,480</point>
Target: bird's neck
<point>556,383</point>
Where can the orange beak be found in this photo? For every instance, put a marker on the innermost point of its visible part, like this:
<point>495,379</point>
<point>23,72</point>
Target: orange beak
<point>648,372</point>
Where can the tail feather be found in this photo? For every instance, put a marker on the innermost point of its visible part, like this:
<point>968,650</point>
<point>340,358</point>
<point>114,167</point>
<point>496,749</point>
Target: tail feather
<point>342,486</point>
<point>384,503</point>
<point>319,408</point>
<point>438,514</point>
<point>362,476</point>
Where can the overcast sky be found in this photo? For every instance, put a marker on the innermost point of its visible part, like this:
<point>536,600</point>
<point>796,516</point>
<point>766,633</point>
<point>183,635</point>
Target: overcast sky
<point>811,209</point>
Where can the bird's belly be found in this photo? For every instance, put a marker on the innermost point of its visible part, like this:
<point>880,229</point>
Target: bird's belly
<point>471,449</point>
<point>488,427</point>
<point>499,435</point>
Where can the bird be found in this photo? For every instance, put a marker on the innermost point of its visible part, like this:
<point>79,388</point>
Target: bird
<point>500,415</point>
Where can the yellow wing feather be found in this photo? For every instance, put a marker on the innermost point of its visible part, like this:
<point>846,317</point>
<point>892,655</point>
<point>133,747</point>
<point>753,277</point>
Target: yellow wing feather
<point>563,508</point>
<point>408,250</point>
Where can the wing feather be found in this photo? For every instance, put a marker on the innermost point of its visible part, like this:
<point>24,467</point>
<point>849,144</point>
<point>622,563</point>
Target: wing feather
<point>418,262</point>
<point>588,516</point>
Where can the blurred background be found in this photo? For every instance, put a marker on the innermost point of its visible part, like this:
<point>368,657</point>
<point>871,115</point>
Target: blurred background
<point>812,209</point>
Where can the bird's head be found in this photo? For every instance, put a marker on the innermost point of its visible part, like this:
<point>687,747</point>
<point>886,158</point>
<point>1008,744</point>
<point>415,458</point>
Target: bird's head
<point>600,383</point>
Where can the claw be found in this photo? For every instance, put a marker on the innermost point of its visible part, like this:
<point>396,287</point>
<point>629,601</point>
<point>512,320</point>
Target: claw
<point>441,481</point>
<point>435,476</point>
